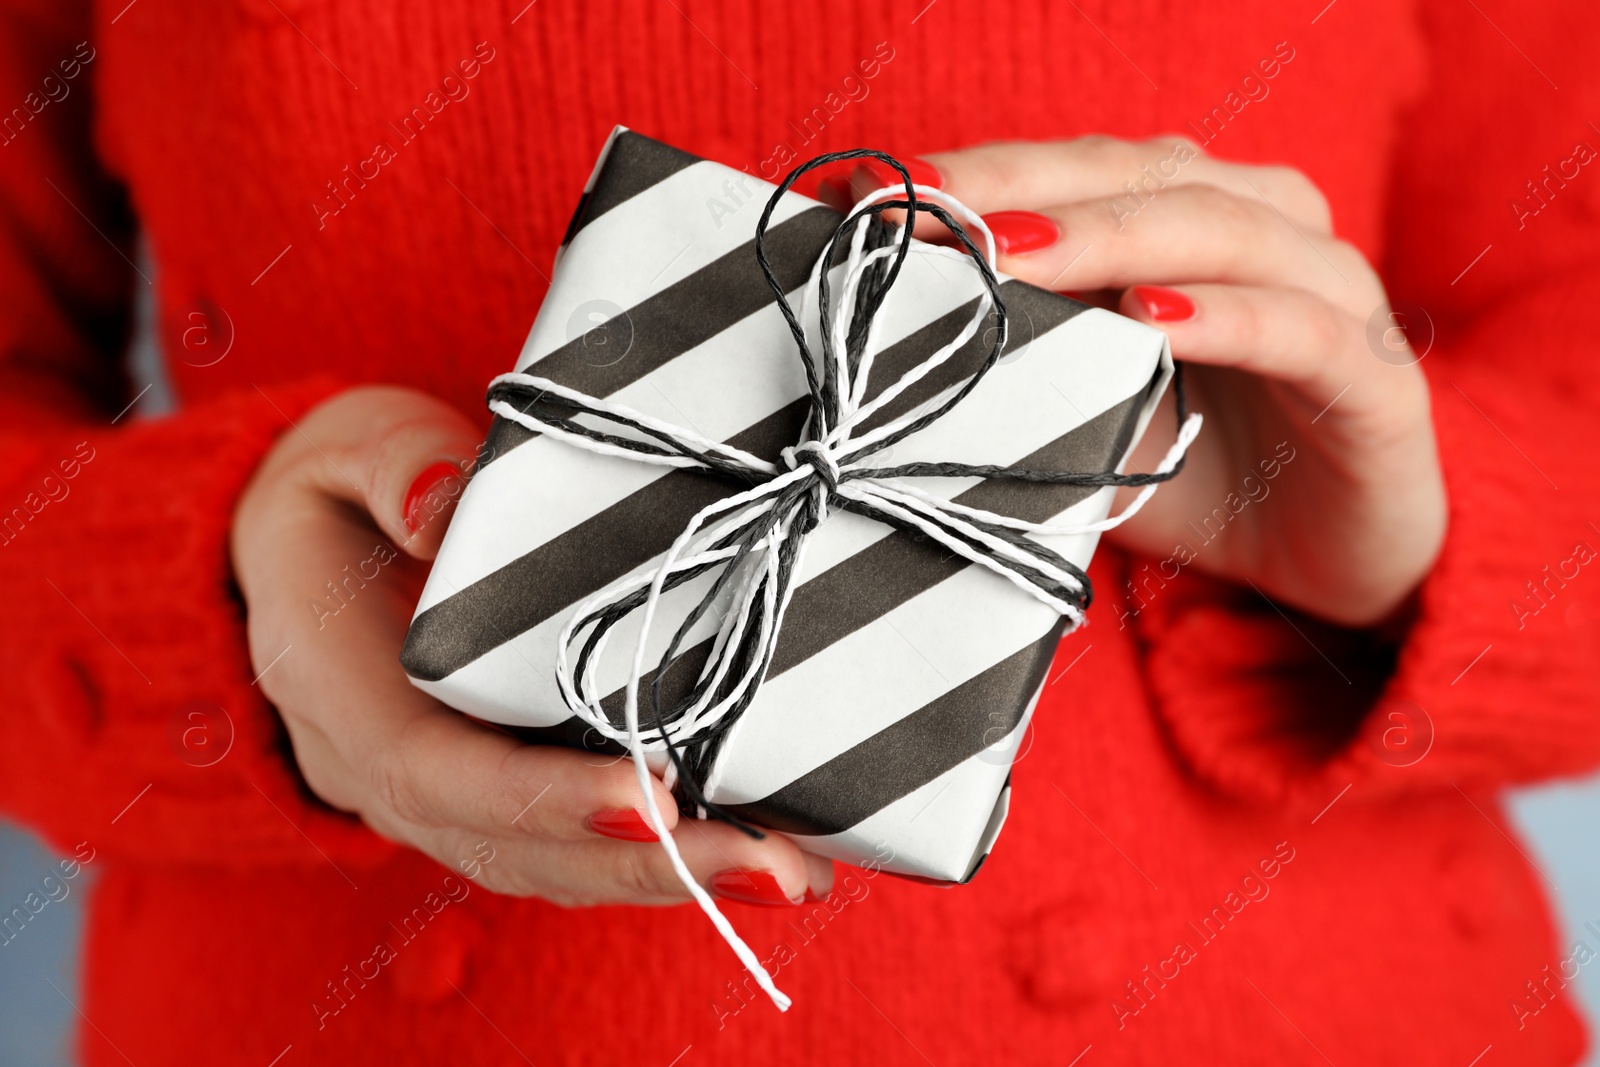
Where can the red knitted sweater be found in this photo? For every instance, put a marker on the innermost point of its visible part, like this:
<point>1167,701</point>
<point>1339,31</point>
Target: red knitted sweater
<point>1215,853</point>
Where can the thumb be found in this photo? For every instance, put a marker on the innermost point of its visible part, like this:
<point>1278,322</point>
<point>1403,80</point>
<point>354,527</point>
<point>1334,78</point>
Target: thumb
<point>400,454</point>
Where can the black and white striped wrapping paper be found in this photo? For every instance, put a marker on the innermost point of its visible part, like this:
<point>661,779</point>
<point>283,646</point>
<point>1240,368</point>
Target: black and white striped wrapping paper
<point>904,677</point>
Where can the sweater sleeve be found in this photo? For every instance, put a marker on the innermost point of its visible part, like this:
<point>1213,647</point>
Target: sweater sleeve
<point>122,651</point>
<point>1492,675</point>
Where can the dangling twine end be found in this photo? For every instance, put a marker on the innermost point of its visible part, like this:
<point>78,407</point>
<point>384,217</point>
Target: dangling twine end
<point>707,905</point>
<point>670,846</point>
<point>735,942</point>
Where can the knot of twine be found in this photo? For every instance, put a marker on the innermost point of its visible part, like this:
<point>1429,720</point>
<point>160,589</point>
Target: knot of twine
<point>825,463</point>
<point>750,546</point>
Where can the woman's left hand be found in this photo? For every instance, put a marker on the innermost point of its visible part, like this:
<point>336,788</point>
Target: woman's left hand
<point>1239,266</point>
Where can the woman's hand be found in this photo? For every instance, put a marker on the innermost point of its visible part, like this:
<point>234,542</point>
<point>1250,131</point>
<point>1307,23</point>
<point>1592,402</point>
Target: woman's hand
<point>329,597</point>
<point>1239,266</point>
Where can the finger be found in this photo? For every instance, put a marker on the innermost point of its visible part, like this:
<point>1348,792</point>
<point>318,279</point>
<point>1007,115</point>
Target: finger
<point>1195,233</point>
<point>734,866</point>
<point>819,874</point>
<point>403,456</point>
<point>725,862</point>
<point>1026,174</point>
<point>439,769</point>
<point>1284,334</point>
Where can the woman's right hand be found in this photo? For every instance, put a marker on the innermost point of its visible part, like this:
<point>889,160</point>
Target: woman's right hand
<point>330,502</point>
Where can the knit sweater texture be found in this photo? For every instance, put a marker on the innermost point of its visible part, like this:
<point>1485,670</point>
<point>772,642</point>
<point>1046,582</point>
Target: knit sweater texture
<point>1238,835</point>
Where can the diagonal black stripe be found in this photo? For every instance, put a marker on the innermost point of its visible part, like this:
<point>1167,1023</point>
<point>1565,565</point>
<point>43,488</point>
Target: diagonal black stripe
<point>901,758</point>
<point>634,164</point>
<point>667,324</point>
<point>590,555</point>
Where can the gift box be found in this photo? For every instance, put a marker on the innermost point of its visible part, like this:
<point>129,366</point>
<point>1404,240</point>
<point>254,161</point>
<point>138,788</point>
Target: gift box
<point>904,675</point>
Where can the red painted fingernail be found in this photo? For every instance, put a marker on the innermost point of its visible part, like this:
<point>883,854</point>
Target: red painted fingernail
<point>1163,304</point>
<point>752,887</point>
<point>432,476</point>
<point>624,824</point>
<point>922,172</point>
<point>1016,232</point>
